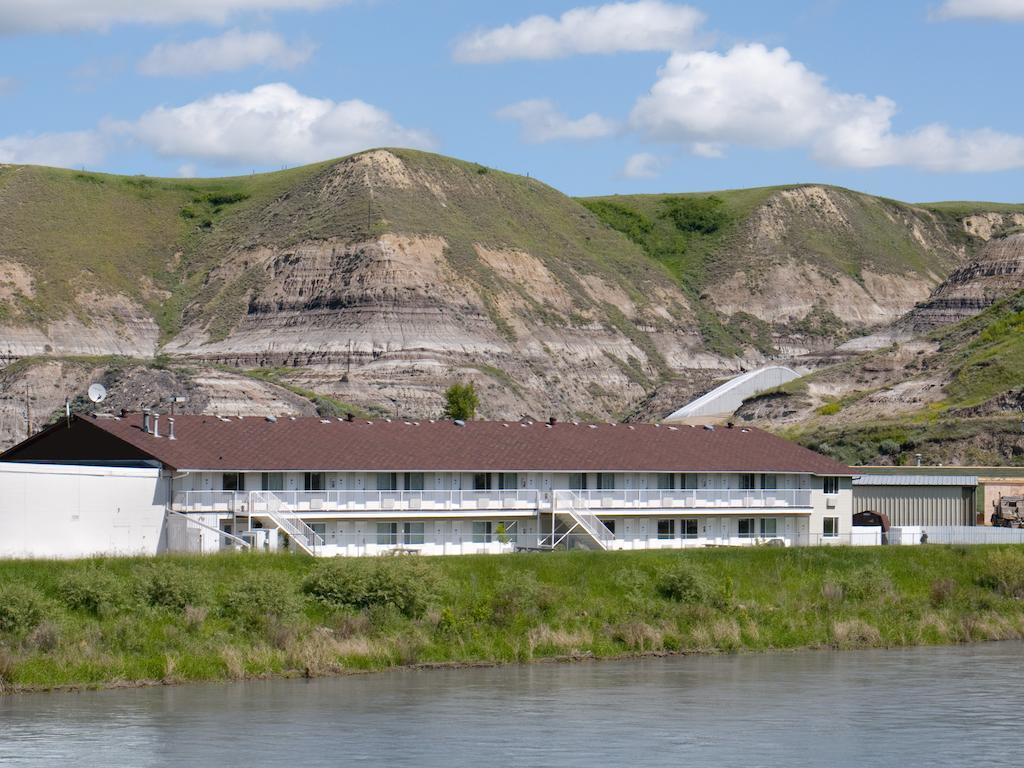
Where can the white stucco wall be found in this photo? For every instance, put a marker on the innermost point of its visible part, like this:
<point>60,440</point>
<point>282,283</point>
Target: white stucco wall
<point>56,511</point>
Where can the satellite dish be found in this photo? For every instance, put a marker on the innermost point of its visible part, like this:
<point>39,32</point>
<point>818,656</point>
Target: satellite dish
<point>97,393</point>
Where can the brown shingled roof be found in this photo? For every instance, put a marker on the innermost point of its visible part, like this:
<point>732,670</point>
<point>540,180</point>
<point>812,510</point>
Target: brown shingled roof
<point>309,443</point>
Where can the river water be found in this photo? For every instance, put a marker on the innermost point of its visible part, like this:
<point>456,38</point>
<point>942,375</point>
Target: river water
<point>919,707</point>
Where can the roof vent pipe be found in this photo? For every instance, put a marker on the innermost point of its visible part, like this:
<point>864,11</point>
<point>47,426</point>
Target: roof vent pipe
<point>350,416</point>
<point>170,428</point>
<point>156,425</point>
<point>145,422</point>
<point>552,420</point>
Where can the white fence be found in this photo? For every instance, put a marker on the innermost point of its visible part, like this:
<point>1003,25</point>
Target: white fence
<point>960,534</point>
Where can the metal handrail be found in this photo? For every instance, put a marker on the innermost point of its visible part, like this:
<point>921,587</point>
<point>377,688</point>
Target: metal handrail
<point>580,512</point>
<point>294,526</point>
<point>671,498</point>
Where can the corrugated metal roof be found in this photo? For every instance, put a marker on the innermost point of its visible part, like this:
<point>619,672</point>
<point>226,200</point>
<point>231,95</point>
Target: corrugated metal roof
<point>962,480</point>
<point>305,443</point>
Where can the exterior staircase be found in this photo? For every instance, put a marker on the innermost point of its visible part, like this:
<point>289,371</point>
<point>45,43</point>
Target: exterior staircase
<point>570,516</point>
<point>268,505</point>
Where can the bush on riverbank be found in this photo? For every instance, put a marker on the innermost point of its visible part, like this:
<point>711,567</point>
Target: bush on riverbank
<point>111,621</point>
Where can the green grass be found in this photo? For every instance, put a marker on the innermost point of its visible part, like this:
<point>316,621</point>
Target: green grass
<point>101,622</point>
<point>704,238</point>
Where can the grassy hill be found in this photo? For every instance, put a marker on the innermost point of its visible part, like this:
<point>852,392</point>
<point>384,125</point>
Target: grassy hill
<point>588,305</point>
<point>973,417</point>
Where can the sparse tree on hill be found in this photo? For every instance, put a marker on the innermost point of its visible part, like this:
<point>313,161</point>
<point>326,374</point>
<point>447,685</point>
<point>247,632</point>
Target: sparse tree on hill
<point>461,401</point>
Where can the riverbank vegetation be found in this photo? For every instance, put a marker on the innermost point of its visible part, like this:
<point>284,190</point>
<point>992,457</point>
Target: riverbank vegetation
<point>108,622</point>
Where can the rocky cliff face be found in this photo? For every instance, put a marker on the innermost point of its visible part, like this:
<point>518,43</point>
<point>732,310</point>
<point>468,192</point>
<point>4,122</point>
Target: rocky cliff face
<point>996,272</point>
<point>381,278</point>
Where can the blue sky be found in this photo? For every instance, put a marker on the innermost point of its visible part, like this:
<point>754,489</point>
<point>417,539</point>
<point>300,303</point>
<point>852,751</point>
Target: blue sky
<point>913,100</point>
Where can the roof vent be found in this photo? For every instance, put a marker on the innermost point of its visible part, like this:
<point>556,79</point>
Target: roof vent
<point>388,420</point>
<point>291,418</point>
<point>350,416</point>
<point>170,428</point>
<point>729,425</point>
<point>592,426</point>
<point>459,423</point>
<point>325,421</point>
<point>744,430</point>
<point>709,427</point>
<point>674,429</point>
<point>145,422</point>
<point>156,425</point>
<point>272,419</point>
<point>552,421</point>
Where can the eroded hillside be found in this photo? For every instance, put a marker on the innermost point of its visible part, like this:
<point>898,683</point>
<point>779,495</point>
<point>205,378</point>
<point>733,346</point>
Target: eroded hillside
<point>376,280</point>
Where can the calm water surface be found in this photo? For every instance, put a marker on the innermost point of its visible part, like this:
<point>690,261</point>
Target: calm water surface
<point>919,707</point>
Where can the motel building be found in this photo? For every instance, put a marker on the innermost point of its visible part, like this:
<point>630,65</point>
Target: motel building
<point>144,483</point>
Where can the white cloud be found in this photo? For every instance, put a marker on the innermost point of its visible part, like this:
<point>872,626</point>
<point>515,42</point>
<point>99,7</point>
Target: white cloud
<point>188,170</point>
<point>999,10</point>
<point>271,124</point>
<point>753,96</point>
<point>647,25</point>
<point>539,121</point>
<point>642,165</point>
<point>70,15</point>
<point>229,52</point>
<point>68,150</point>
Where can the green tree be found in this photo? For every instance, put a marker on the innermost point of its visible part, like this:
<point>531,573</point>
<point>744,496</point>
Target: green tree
<point>461,401</point>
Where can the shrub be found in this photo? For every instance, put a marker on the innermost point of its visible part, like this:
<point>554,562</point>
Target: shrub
<point>259,598</point>
<point>942,592</point>
<point>21,609</point>
<point>45,637</point>
<point>174,587</point>
<point>860,585</point>
<point>518,594</point>
<point>686,583</point>
<point>404,585</point>
<point>93,590</point>
<point>1003,572</point>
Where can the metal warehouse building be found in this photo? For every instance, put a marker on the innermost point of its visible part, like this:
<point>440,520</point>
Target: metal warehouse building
<point>916,499</point>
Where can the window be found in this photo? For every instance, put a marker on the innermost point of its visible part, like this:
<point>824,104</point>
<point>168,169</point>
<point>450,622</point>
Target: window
<point>666,529</point>
<point>605,481</point>
<point>578,481</point>
<point>272,481</point>
<point>482,481</point>
<point>387,481</point>
<point>314,481</point>
<point>482,532</point>
<point>747,481</point>
<point>413,481</point>
<point>688,528</point>
<point>831,485</point>
<point>610,525</point>
<point>508,481</point>
<point>665,481</point>
<point>320,529</point>
<point>769,526</point>
<point>831,528</point>
<point>746,527</point>
<point>232,481</point>
<point>688,480</point>
<point>769,482</point>
<point>412,533</point>
<point>387,534</point>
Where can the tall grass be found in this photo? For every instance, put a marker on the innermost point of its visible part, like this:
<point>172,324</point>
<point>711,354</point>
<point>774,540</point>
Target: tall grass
<point>110,621</point>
